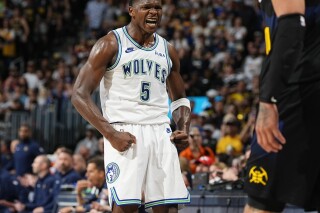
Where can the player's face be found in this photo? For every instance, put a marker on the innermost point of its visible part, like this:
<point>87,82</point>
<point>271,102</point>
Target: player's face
<point>147,14</point>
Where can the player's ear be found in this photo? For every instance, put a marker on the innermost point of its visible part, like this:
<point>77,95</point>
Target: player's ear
<point>131,11</point>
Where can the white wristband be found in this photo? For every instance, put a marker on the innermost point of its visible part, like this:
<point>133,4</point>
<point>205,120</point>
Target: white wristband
<point>178,103</point>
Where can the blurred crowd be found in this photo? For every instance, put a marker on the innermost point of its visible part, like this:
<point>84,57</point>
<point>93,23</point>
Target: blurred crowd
<point>32,180</point>
<point>43,45</point>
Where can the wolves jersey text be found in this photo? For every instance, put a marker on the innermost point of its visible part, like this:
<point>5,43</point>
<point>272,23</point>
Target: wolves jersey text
<point>133,89</point>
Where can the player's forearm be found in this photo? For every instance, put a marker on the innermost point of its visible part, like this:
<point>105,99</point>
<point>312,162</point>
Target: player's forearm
<point>285,55</point>
<point>181,117</point>
<point>284,7</point>
<point>89,111</point>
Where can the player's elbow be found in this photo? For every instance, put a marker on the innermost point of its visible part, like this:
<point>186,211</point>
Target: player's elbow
<point>76,97</point>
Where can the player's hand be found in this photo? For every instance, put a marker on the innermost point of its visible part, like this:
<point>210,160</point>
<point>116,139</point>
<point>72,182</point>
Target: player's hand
<point>267,128</point>
<point>180,139</point>
<point>122,141</point>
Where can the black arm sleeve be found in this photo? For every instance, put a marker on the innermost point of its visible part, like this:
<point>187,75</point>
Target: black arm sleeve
<point>285,53</point>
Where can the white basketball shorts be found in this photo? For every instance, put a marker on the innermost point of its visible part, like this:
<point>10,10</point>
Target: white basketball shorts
<point>149,169</point>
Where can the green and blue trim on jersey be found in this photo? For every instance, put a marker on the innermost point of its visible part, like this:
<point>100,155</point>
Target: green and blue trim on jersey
<point>138,45</point>
<point>168,201</point>
<point>167,56</point>
<point>119,51</point>
<point>119,202</point>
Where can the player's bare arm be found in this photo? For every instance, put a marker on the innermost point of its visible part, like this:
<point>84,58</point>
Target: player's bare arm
<point>101,55</point>
<point>181,115</point>
<point>284,7</point>
<point>267,129</point>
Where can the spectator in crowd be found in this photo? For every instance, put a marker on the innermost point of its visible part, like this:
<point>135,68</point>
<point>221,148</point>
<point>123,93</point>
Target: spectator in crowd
<point>9,191</point>
<point>196,149</point>
<point>79,165</point>
<point>31,75</point>
<point>4,105</point>
<point>90,141</point>
<point>96,184</point>
<point>8,47</point>
<point>216,111</point>
<point>252,63</point>
<point>210,135</point>
<point>203,164</point>
<point>22,31</point>
<point>26,151</point>
<point>65,174</point>
<point>6,159</point>
<point>43,200</point>
<point>11,81</point>
<point>95,13</point>
<point>230,144</point>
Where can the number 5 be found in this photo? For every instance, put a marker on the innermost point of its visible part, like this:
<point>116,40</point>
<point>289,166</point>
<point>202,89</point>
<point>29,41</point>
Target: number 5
<point>145,91</point>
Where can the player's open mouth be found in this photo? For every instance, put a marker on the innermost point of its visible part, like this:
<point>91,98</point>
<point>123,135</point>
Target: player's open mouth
<point>152,22</point>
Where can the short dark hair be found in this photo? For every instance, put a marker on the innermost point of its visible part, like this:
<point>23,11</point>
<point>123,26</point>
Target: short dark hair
<point>98,161</point>
<point>26,125</point>
<point>66,151</point>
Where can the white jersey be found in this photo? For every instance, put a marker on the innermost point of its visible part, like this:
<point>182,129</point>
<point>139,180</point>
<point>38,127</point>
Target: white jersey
<point>133,89</point>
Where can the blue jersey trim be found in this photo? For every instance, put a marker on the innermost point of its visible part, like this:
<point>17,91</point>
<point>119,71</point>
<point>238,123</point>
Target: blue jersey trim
<point>138,45</point>
<point>185,200</point>
<point>119,51</point>
<point>119,202</point>
<point>167,56</point>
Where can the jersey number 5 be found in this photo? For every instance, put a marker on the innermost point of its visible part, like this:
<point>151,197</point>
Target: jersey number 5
<point>145,91</point>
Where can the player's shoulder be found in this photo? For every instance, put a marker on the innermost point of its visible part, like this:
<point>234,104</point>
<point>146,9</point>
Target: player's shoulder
<point>171,49</point>
<point>106,44</point>
<point>110,37</point>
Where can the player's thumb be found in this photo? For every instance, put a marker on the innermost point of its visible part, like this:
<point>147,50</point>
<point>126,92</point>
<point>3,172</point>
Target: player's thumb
<point>172,137</point>
<point>133,138</point>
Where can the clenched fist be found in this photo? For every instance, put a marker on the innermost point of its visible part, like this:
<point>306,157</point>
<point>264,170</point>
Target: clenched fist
<point>122,141</point>
<point>180,139</point>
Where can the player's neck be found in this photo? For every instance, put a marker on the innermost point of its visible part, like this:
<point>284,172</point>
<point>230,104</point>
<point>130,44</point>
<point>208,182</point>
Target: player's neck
<point>143,38</point>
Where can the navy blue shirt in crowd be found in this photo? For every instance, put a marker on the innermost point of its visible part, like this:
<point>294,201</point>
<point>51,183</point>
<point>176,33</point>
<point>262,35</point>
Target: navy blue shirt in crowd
<point>7,161</point>
<point>26,151</point>
<point>94,196</point>
<point>69,178</point>
<point>43,194</point>
<point>9,188</point>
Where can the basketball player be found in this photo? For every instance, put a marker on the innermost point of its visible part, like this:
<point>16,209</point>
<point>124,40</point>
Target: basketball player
<point>135,67</point>
<point>283,167</point>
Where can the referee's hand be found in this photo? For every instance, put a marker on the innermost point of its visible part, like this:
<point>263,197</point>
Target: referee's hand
<point>180,139</point>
